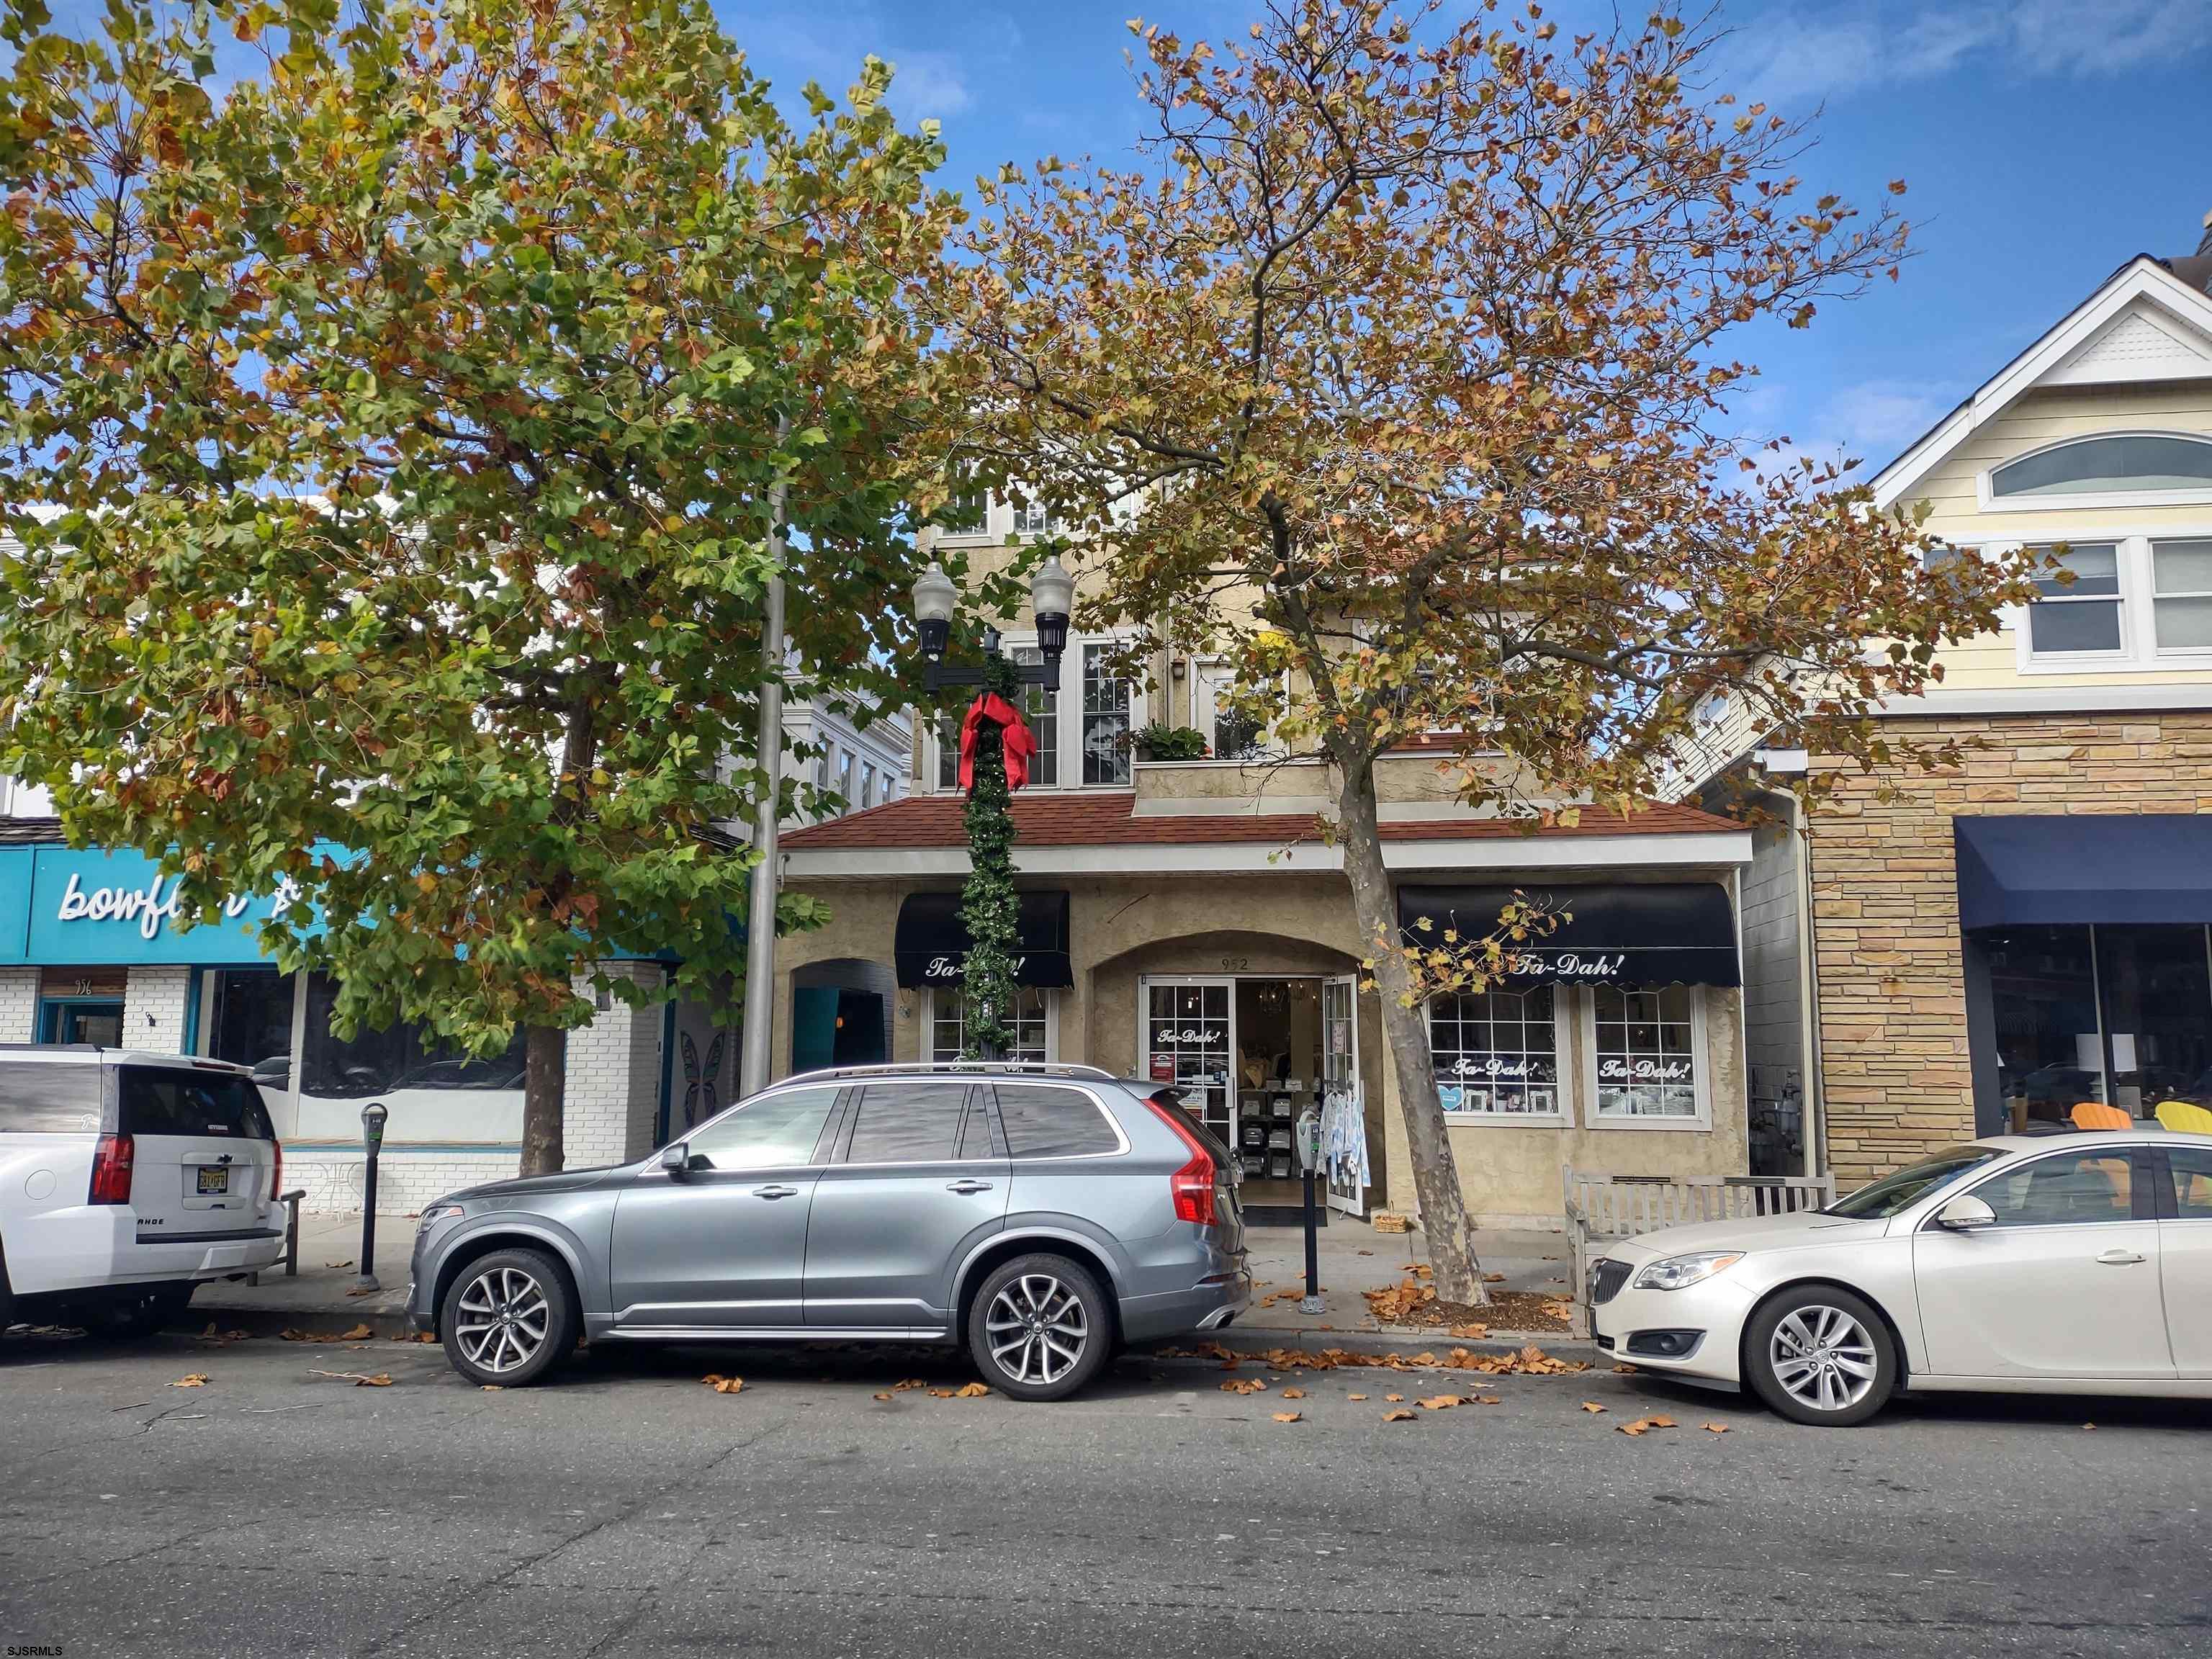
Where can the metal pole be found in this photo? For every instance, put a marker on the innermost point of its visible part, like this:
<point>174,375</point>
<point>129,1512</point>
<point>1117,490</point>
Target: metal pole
<point>760,920</point>
<point>372,1117</point>
<point>1311,1302</point>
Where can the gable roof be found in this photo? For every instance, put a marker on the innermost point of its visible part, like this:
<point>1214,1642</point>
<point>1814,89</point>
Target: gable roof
<point>2151,319</point>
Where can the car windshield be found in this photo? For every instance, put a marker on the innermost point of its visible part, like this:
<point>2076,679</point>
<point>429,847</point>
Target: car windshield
<point>1915,1181</point>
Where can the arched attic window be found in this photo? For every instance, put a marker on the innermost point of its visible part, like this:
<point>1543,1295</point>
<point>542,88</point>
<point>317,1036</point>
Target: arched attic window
<point>2113,463</point>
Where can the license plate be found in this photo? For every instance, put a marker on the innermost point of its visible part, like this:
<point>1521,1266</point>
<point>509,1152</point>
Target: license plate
<point>214,1180</point>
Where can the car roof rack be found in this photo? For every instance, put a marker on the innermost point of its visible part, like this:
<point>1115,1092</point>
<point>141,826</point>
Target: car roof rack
<point>961,1067</point>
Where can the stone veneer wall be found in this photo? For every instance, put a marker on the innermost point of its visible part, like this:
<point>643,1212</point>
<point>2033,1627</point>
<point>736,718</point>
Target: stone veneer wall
<point>1895,1066</point>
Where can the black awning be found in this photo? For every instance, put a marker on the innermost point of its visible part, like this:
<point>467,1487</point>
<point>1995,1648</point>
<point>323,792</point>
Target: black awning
<point>2070,868</point>
<point>1624,934</point>
<point>932,942</point>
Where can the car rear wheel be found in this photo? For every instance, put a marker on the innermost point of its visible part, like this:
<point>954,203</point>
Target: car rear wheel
<point>1040,1327</point>
<point>1820,1355</point>
<point>509,1318</point>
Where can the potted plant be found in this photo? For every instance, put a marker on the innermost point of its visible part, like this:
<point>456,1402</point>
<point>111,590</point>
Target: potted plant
<point>1161,742</point>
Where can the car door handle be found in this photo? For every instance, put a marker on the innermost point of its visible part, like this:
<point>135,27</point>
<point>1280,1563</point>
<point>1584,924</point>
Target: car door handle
<point>775,1192</point>
<point>967,1186</point>
<point>2117,1258</point>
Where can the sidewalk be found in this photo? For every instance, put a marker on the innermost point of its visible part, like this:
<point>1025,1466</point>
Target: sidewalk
<point>1353,1258</point>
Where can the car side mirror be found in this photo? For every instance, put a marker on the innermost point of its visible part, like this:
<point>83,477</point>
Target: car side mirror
<point>676,1158</point>
<point>1965,1214</point>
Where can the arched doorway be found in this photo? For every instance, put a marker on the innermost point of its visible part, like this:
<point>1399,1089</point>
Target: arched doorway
<point>841,1013</point>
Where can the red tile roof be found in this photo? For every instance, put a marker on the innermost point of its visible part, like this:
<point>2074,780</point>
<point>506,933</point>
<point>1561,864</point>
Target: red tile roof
<point>1090,818</point>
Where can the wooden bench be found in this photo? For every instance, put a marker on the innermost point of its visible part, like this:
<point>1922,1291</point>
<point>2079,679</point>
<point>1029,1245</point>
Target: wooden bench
<point>1603,1207</point>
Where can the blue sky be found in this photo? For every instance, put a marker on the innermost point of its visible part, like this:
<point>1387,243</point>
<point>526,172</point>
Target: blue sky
<point>2044,142</point>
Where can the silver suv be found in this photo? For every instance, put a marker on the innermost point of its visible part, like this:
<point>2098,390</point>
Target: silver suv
<point>1043,1215</point>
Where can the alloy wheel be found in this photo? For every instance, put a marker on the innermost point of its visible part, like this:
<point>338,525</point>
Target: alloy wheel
<point>1037,1328</point>
<point>1823,1357</point>
<point>502,1320</point>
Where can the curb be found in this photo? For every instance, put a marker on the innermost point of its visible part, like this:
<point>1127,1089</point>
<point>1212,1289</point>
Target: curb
<point>274,1321</point>
<point>1260,1339</point>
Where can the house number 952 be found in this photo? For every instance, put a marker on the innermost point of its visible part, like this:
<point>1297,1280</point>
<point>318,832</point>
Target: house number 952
<point>1235,964</point>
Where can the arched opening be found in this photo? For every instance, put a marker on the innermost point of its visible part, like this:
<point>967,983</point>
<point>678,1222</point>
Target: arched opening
<point>841,1013</point>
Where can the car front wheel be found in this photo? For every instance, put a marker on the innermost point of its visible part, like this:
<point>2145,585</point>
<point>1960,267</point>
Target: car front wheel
<point>509,1318</point>
<point>1820,1355</point>
<point>1040,1327</point>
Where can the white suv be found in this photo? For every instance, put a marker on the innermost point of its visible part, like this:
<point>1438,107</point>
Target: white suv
<point>126,1179</point>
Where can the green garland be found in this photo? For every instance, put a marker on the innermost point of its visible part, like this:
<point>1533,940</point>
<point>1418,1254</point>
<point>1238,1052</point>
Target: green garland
<point>989,907</point>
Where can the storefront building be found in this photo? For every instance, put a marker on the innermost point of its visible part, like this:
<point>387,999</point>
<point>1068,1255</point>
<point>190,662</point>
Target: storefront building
<point>2022,940</point>
<point>1185,921</point>
<point>89,953</point>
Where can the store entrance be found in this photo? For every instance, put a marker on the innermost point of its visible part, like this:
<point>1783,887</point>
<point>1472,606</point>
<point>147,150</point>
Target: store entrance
<point>1254,1052</point>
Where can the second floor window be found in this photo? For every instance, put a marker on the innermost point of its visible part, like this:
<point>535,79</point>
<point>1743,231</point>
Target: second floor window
<point>1032,518</point>
<point>1105,718</point>
<point>2181,586</point>
<point>2083,615</point>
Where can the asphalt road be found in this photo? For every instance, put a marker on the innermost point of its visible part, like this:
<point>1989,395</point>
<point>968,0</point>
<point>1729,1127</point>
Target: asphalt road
<point>630,1511</point>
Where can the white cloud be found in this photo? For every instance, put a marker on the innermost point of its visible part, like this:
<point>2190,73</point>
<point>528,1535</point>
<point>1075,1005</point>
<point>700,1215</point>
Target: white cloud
<point>927,85</point>
<point>1792,57</point>
<point>1869,422</point>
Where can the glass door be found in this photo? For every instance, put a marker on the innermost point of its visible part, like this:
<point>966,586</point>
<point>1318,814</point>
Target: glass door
<point>1344,1107</point>
<point>1188,1039</point>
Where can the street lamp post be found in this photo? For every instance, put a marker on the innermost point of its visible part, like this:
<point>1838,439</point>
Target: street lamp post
<point>989,908</point>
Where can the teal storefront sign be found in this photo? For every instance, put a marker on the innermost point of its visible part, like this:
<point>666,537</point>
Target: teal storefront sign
<point>60,906</point>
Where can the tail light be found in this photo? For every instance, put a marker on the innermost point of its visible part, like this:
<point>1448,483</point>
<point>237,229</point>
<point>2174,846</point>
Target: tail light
<point>276,1168</point>
<point>1192,1186</point>
<point>111,1169</point>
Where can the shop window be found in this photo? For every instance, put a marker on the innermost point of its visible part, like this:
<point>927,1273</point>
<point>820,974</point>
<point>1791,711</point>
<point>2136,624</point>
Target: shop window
<point>1497,1052</point>
<point>2043,990</point>
<point>1105,718</point>
<point>434,1092</point>
<point>2154,994</point>
<point>2082,615</point>
<point>251,1022</point>
<point>1646,1060</point>
<point>948,1024</point>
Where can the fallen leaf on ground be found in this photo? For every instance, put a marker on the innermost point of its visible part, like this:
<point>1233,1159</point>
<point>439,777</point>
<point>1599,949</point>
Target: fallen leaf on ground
<point>1645,1425</point>
<point>1356,1396</point>
<point>1441,1402</point>
<point>334,1265</point>
<point>1289,1417</point>
<point>721,1384</point>
<point>910,1382</point>
<point>1421,1270</point>
<point>1661,1422</point>
<point>1592,1406</point>
<point>363,1290</point>
<point>2089,1425</point>
<point>1367,1253</point>
<point>360,1380</point>
<point>1294,1393</point>
<point>211,1335</point>
<point>358,1333</point>
<point>1485,1400</point>
<point>1624,1370</point>
<point>1494,1279</point>
<point>1714,1428</point>
<point>1397,1417</point>
<point>1560,1310</point>
<point>1469,1333</point>
<point>491,1388</point>
<point>885,1395</point>
<point>1393,1398</point>
<point>196,1380</point>
<point>415,1336</point>
<point>1245,1385</point>
<point>1632,1430</point>
<point>971,1391</point>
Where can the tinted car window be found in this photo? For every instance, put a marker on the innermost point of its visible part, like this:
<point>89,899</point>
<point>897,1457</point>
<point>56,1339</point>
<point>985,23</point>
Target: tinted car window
<point>49,1099</point>
<point>769,1133</point>
<point>2059,1192</point>
<point>1042,1120</point>
<point>2192,1182</point>
<point>907,1123</point>
<point>156,1100</point>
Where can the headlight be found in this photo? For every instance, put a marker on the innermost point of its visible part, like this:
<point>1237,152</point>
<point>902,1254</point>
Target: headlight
<point>1677,1271</point>
<point>437,1212</point>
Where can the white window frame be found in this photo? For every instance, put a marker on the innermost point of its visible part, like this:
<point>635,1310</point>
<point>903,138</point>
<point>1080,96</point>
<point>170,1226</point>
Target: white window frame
<point>1991,503</point>
<point>2139,653</point>
<point>928,1045</point>
<point>1701,1062</point>
<point>868,785</point>
<point>1564,1029</point>
<point>2172,653</point>
<point>1069,714</point>
<point>1208,675</point>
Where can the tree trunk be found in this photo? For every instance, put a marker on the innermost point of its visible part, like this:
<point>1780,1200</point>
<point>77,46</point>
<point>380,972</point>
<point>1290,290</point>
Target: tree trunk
<point>1457,1274</point>
<point>545,1093</point>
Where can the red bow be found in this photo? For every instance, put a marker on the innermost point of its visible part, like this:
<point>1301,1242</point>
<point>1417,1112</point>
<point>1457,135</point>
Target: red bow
<point>1017,740</point>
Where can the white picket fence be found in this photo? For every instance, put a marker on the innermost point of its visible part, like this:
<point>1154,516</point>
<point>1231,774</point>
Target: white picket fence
<point>1600,1207</point>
